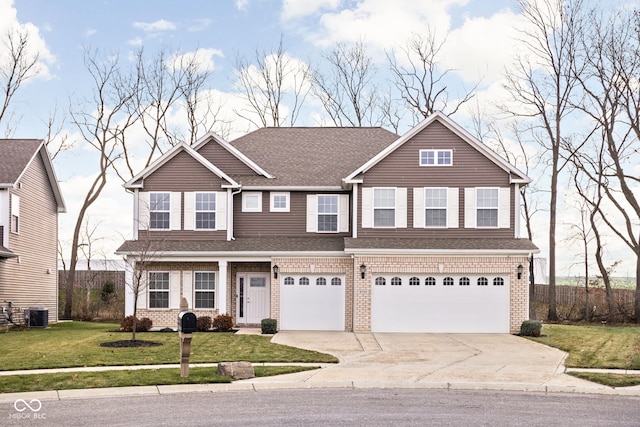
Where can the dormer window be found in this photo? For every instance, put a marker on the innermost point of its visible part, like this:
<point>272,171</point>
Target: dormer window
<point>436,157</point>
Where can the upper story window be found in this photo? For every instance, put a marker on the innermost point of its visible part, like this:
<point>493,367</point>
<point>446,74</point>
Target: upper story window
<point>327,213</point>
<point>435,202</point>
<point>487,207</point>
<point>159,211</point>
<point>205,211</point>
<point>279,202</point>
<point>158,289</point>
<point>251,202</point>
<point>15,213</point>
<point>384,207</point>
<point>436,157</point>
<point>205,285</point>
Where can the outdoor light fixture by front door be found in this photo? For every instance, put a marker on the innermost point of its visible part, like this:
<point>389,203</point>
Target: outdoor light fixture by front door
<point>275,271</point>
<point>520,269</point>
<point>363,269</point>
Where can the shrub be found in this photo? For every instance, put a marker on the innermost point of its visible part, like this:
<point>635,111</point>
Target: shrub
<point>142,325</point>
<point>203,323</point>
<point>108,291</point>
<point>530,328</point>
<point>223,322</point>
<point>269,326</point>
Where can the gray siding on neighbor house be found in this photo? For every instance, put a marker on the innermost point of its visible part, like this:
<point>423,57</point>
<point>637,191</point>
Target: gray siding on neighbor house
<point>401,169</point>
<point>224,160</point>
<point>31,280</point>
<point>183,173</point>
<point>266,223</point>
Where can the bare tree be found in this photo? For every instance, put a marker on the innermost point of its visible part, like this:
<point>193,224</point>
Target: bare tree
<point>346,87</point>
<point>15,70</point>
<point>543,85</point>
<point>102,124</point>
<point>423,83</point>
<point>276,84</point>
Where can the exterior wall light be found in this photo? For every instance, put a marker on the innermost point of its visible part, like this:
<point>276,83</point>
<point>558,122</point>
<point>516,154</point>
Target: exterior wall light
<point>520,269</point>
<point>275,271</point>
<point>363,269</point>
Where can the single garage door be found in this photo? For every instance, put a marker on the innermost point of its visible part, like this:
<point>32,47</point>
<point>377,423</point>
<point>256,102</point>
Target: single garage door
<point>312,302</point>
<point>443,303</point>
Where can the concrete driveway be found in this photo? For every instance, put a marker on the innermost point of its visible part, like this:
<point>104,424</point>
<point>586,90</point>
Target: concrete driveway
<point>432,360</point>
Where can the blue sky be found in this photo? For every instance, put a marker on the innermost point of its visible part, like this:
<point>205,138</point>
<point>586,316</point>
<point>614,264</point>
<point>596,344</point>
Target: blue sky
<point>481,43</point>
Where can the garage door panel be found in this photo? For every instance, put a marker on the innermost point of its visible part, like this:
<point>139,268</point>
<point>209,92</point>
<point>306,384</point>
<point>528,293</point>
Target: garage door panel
<point>440,308</point>
<point>312,306</point>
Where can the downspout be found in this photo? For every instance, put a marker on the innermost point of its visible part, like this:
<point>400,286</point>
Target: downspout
<point>230,212</point>
<point>353,292</point>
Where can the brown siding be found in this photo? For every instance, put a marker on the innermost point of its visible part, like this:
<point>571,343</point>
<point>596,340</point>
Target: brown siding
<point>224,160</point>
<point>401,169</point>
<point>265,223</point>
<point>183,173</point>
<point>31,279</point>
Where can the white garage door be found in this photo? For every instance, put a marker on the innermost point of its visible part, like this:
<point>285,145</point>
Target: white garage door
<point>443,303</point>
<point>312,302</point>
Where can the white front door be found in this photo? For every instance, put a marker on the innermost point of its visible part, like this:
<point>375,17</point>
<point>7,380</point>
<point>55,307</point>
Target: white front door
<point>253,297</point>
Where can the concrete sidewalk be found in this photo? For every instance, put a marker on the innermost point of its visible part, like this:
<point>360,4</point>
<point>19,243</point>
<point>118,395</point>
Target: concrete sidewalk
<point>438,361</point>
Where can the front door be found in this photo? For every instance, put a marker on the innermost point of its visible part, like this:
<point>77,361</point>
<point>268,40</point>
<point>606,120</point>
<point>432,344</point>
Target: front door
<point>253,298</point>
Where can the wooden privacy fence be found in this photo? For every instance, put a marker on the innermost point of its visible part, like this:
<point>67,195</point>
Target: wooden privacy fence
<point>94,279</point>
<point>571,301</point>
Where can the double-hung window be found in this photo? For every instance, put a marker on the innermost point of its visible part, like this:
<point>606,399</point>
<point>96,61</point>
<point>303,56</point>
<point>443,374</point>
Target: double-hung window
<point>15,214</point>
<point>436,157</point>
<point>159,211</point>
<point>435,202</point>
<point>327,213</point>
<point>205,285</point>
<point>487,207</point>
<point>205,211</point>
<point>384,207</point>
<point>158,289</point>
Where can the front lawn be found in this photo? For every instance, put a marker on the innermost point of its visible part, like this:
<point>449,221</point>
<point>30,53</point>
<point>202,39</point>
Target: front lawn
<point>73,344</point>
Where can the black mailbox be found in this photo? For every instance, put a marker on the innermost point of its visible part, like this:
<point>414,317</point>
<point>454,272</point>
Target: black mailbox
<point>187,322</point>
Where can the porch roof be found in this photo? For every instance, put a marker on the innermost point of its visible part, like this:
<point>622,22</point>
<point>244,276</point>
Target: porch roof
<point>440,244</point>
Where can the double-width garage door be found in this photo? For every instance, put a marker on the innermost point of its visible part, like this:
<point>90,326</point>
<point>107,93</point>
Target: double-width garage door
<point>440,303</point>
<point>312,302</point>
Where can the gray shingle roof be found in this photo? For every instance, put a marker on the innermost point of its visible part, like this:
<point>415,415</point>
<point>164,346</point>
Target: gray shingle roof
<point>330,154</point>
<point>445,244</point>
<point>15,155</point>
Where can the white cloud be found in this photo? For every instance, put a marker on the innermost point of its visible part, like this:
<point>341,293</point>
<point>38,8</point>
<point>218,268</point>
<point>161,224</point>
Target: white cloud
<point>137,41</point>
<point>242,4</point>
<point>292,9</point>
<point>90,32</point>
<point>153,27</point>
<point>204,59</point>
<point>199,25</point>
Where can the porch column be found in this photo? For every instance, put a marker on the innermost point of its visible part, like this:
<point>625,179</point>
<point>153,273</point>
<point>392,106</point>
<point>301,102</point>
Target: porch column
<point>128,287</point>
<point>222,287</point>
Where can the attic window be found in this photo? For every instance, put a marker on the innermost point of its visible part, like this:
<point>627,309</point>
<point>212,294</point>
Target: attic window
<point>436,157</point>
<point>251,202</point>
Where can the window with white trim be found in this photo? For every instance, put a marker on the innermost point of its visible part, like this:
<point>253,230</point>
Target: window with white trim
<point>327,213</point>
<point>158,289</point>
<point>204,288</point>
<point>15,214</point>
<point>205,211</point>
<point>436,157</point>
<point>279,202</point>
<point>159,211</point>
<point>487,207</point>
<point>384,207</point>
<point>435,203</point>
<point>252,201</point>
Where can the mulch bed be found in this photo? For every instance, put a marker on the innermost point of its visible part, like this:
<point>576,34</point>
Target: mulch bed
<point>130,344</point>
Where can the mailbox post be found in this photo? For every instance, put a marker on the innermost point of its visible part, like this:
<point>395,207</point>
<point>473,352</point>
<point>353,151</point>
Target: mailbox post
<point>187,325</point>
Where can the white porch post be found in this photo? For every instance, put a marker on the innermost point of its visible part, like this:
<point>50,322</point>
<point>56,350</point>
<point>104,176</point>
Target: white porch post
<point>128,287</point>
<point>222,287</point>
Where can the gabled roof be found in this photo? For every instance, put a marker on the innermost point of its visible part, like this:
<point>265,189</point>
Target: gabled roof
<point>175,150</point>
<point>310,156</point>
<point>15,157</point>
<point>213,137</point>
<point>515,175</point>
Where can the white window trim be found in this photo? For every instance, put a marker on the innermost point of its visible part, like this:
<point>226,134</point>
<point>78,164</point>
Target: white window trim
<point>497,208</point>
<point>435,156</point>
<point>152,211</point>
<point>394,207</point>
<point>214,290</point>
<point>246,196</point>
<point>471,209</point>
<point>272,197</point>
<point>195,210</point>
<point>149,290</point>
<point>337,214</point>
<point>14,227</point>
<point>446,207</point>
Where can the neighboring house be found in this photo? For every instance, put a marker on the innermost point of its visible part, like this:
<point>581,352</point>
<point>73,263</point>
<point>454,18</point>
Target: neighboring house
<point>334,229</point>
<point>30,201</point>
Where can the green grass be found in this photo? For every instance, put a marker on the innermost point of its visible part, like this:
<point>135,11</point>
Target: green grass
<point>74,344</point>
<point>606,347</point>
<point>611,380</point>
<point>140,377</point>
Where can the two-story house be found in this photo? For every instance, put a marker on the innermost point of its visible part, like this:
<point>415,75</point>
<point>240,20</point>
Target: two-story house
<point>30,201</point>
<point>334,229</point>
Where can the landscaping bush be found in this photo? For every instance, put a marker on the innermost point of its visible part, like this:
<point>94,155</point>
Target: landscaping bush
<point>142,325</point>
<point>530,328</point>
<point>223,322</point>
<point>269,326</point>
<point>203,323</point>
